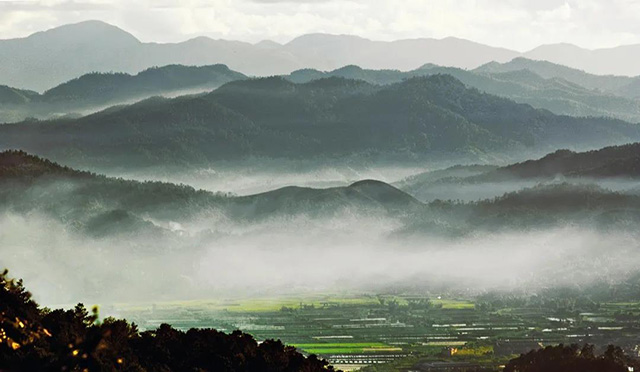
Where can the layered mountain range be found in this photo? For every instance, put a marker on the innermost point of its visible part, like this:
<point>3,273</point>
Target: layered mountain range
<point>432,117</point>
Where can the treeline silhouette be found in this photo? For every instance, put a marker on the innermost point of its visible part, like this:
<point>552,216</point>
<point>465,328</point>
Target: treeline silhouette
<point>572,359</point>
<point>41,339</point>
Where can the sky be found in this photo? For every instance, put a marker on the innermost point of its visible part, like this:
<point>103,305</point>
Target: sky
<point>516,24</point>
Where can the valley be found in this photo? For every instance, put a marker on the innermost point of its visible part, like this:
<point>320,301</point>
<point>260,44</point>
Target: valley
<point>328,203</point>
<point>407,332</point>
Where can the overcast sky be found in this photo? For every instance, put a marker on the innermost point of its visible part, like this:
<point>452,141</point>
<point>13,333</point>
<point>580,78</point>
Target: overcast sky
<point>515,24</point>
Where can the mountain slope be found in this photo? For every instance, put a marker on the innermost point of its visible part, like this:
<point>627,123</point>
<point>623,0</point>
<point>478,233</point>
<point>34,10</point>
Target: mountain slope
<point>547,70</point>
<point>616,168</point>
<point>363,195</point>
<point>427,117</point>
<point>13,96</point>
<point>102,89</point>
<point>101,205</point>
<point>514,81</point>
<point>96,91</point>
<point>617,161</point>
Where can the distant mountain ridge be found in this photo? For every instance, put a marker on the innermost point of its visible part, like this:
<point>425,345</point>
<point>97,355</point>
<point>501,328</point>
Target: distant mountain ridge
<point>619,60</point>
<point>49,58</point>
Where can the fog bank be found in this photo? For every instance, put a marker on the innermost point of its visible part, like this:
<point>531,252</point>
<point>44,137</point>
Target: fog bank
<point>214,258</point>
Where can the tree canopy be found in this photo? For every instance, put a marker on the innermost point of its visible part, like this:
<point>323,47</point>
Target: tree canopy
<point>37,339</point>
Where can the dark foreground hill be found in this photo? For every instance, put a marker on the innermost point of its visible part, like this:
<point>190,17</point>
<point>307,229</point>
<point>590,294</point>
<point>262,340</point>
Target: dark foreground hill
<point>37,339</point>
<point>435,117</point>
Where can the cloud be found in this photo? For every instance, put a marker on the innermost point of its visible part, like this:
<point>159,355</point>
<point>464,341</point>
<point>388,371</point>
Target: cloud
<point>516,24</point>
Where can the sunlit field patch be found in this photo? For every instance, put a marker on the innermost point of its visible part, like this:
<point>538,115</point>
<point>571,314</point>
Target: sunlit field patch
<point>454,304</point>
<point>346,348</point>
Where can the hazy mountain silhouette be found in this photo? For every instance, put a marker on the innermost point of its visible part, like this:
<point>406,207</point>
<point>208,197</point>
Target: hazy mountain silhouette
<point>326,52</point>
<point>435,117</point>
<point>49,58</point>
<point>616,61</point>
<point>46,59</point>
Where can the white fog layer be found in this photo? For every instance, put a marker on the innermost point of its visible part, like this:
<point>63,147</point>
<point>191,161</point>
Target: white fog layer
<point>300,256</point>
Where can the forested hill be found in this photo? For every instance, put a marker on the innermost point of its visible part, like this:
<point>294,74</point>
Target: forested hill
<point>95,91</point>
<point>13,96</point>
<point>559,89</point>
<point>425,117</point>
<point>103,88</point>
<point>616,167</point>
<point>102,205</point>
<point>616,161</point>
<point>20,165</point>
<point>548,70</point>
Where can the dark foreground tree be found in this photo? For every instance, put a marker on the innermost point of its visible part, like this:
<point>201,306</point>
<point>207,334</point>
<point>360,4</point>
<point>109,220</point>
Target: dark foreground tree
<point>571,359</point>
<point>35,339</point>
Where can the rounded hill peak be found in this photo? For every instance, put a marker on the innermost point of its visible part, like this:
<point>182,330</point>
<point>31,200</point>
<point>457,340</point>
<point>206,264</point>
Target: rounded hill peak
<point>87,32</point>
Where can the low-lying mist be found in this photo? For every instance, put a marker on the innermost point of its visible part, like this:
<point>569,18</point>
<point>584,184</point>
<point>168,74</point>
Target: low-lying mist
<point>348,252</point>
<point>261,175</point>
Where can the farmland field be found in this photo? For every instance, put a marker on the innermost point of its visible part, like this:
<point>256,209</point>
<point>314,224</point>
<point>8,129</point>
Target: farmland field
<point>398,332</point>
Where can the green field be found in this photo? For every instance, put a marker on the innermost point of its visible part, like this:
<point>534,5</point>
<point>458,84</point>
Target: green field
<point>454,304</point>
<point>346,348</point>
